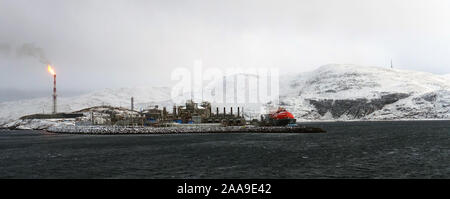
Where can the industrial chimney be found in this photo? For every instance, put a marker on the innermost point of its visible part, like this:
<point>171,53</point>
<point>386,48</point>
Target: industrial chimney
<point>50,69</point>
<point>54,93</point>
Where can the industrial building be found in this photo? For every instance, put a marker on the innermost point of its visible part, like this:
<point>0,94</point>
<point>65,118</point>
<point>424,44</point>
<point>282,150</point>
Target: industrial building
<point>192,113</point>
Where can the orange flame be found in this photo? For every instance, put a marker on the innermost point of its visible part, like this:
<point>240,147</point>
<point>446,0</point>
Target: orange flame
<point>50,69</point>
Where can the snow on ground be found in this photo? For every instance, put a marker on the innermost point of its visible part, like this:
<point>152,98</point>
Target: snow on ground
<point>39,124</point>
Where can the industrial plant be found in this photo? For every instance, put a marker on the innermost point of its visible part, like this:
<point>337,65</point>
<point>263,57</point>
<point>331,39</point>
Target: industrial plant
<point>188,118</point>
<point>190,114</point>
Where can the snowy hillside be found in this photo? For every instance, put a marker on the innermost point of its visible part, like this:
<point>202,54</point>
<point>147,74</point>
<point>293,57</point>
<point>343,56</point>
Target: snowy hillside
<point>447,76</point>
<point>347,92</point>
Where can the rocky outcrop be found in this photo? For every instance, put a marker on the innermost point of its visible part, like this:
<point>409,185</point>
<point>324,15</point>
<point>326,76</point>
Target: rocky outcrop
<point>355,108</point>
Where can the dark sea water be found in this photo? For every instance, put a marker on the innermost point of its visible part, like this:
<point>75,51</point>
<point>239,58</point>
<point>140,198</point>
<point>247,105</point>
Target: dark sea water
<point>414,149</point>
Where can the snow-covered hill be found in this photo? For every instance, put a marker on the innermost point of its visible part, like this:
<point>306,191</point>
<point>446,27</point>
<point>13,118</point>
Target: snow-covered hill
<point>332,92</point>
<point>347,92</point>
<point>447,76</point>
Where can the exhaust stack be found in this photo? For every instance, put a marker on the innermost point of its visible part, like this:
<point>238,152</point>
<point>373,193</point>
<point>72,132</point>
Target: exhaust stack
<point>54,94</point>
<point>50,69</point>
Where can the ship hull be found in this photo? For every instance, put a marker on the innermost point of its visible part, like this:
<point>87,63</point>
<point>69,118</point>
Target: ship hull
<point>283,122</point>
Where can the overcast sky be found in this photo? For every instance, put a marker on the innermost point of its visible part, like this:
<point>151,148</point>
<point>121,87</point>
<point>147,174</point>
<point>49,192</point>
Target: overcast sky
<point>108,44</point>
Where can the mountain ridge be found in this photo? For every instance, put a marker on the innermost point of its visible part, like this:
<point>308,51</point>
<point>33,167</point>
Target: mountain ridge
<point>350,92</point>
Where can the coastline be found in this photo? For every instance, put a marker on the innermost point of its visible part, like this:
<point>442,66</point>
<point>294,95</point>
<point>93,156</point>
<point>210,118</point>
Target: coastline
<point>119,130</point>
<point>31,124</point>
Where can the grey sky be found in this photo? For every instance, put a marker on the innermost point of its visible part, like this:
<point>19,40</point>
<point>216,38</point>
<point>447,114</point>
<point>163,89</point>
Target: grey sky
<point>106,44</point>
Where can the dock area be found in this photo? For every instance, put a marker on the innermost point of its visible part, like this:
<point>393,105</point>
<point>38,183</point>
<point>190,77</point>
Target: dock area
<point>114,130</point>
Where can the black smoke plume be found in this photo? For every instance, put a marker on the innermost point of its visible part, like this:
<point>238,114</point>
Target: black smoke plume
<point>30,50</point>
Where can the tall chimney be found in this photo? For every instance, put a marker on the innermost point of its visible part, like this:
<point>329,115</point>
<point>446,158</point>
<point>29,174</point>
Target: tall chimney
<point>224,89</point>
<point>238,111</point>
<point>224,111</point>
<point>235,89</point>
<point>231,110</point>
<point>132,103</point>
<point>217,111</point>
<point>54,94</point>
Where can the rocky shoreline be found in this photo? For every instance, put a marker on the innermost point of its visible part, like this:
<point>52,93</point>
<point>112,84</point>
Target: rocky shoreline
<point>114,130</point>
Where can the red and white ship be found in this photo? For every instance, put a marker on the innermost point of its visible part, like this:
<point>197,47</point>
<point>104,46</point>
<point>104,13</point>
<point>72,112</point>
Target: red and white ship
<point>281,117</point>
